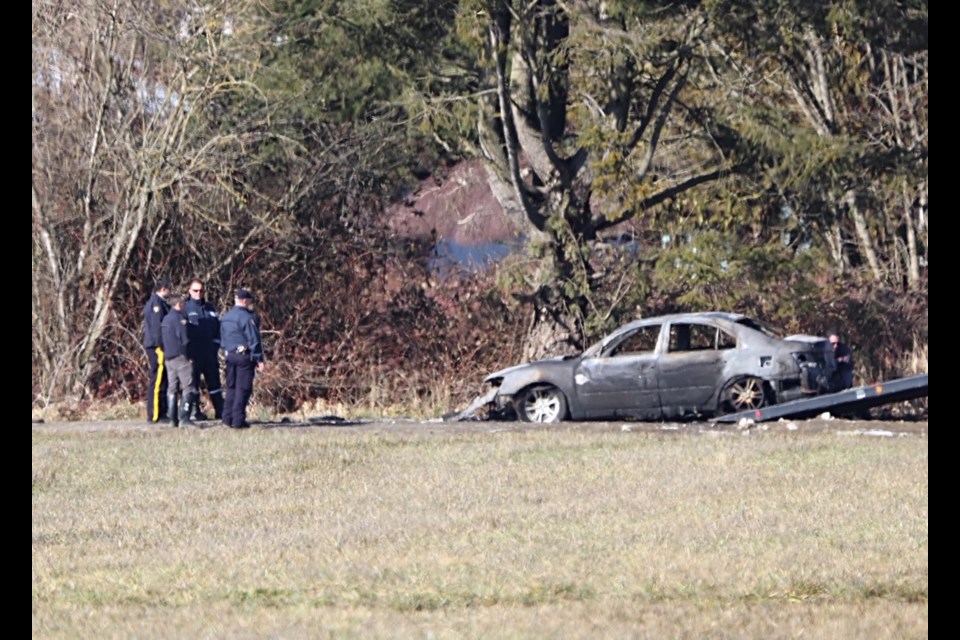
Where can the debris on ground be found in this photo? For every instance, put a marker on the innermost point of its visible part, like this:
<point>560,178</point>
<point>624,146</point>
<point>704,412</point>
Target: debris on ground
<point>470,411</point>
<point>333,421</point>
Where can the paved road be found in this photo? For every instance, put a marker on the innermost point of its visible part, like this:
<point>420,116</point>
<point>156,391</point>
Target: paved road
<point>868,428</point>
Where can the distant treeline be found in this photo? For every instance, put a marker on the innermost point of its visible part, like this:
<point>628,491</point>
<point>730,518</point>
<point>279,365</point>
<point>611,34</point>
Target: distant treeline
<point>765,157</point>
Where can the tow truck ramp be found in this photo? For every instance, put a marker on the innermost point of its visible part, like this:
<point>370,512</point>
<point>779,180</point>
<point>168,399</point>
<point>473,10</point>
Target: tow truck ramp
<point>848,401</point>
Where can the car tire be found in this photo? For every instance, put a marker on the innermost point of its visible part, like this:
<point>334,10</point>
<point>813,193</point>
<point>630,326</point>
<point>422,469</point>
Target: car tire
<point>541,404</point>
<point>743,394</point>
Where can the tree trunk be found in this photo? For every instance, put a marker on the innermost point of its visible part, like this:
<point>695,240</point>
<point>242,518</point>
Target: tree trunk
<point>547,336</point>
<point>863,236</point>
<point>834,240</point>
<point>913,257</point>
<point>553,328</point>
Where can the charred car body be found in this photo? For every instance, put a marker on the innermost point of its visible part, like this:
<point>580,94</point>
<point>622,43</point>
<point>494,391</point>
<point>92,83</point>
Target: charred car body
<point>690,365</point>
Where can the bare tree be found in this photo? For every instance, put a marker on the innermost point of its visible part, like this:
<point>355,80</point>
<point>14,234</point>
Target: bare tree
<point>124,124</point>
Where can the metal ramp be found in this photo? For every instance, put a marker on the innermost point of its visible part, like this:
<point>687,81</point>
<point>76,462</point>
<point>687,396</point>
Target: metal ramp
<point>847,401</point>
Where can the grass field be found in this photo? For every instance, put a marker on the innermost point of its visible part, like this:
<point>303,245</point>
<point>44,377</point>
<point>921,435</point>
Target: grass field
<point>320,533</point>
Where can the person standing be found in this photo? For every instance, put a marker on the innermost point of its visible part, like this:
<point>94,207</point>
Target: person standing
<point>205,341</point>
<point>844,357</point>
<point>177,348</point>
<point>240,339</point>
<point>153,313</point>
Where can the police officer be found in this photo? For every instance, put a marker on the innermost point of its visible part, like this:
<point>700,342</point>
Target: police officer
<point>177,348</point>
<point>153,313</point>
<point>240,339</point>
<point>205,340</point>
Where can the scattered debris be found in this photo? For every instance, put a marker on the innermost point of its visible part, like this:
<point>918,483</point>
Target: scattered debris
<point>825,416</point>
<point>309,422</point>
<point>792,426</point>
<point>745,423</point>
<point>469,412</point>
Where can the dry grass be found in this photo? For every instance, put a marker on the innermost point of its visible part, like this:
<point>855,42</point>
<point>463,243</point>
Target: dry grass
<point>915,362</point>
<point>320,533</point>
<point>910,362</point>
<point>402,395</point>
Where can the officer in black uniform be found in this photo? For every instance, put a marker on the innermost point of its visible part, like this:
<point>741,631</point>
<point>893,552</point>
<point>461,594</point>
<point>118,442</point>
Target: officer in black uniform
<point>240,339</point>
<point>205,341</point>
<point>153,313</point>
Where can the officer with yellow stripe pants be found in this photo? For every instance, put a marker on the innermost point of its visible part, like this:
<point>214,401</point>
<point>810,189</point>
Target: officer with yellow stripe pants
<point>153,313</point>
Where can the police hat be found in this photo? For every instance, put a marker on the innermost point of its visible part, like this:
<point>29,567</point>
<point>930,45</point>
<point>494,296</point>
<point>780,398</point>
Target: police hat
<point>243,294</point>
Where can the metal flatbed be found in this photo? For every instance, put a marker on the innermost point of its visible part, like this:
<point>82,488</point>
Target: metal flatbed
<point>841,402</point>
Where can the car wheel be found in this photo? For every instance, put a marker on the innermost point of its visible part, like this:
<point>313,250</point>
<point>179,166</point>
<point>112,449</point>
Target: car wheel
<point>745,394</point>
<point>542,404</point>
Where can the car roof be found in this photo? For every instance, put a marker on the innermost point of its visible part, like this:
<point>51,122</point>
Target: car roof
<point>687,317</point>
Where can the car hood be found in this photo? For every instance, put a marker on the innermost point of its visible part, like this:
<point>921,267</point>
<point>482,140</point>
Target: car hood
<point>502,373</point>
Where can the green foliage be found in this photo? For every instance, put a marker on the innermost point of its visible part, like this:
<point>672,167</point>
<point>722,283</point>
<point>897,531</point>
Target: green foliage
<point>348,59</point>
<point>370,60</point>
<point>708,270</point>
<point>793,157</point>
<point>837,86</point>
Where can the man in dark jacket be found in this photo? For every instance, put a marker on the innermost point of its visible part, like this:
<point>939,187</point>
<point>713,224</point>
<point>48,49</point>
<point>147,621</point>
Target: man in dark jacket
<point>153,313</point>
<point>844,357</point>
<point>176,347</point>
<point>240,339</point>
<point>205,339</point>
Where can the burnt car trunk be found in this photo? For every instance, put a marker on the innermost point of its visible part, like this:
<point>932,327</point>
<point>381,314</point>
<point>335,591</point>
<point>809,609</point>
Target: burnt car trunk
<point>814,356</point>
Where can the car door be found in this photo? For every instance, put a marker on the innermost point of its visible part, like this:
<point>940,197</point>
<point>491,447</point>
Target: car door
<point>622,380</point>
<point>691,365</point>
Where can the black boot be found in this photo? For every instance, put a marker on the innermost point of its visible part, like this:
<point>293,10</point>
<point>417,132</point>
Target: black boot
<point>185,411</point>
<point>172,409</point>
<point>217,400</point>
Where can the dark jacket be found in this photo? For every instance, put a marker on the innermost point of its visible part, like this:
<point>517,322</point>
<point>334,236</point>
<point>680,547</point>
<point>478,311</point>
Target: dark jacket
<point>205,325</point>
<point>843,351</point>
<point>176,338</point>
<point>153,313</point>
<point>240,327</point>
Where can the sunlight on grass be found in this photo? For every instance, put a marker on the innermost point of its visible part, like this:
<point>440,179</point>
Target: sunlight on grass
<point>305,533</point>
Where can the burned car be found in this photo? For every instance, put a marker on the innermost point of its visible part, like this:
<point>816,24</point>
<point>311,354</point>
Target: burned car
<point>692,365</point>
